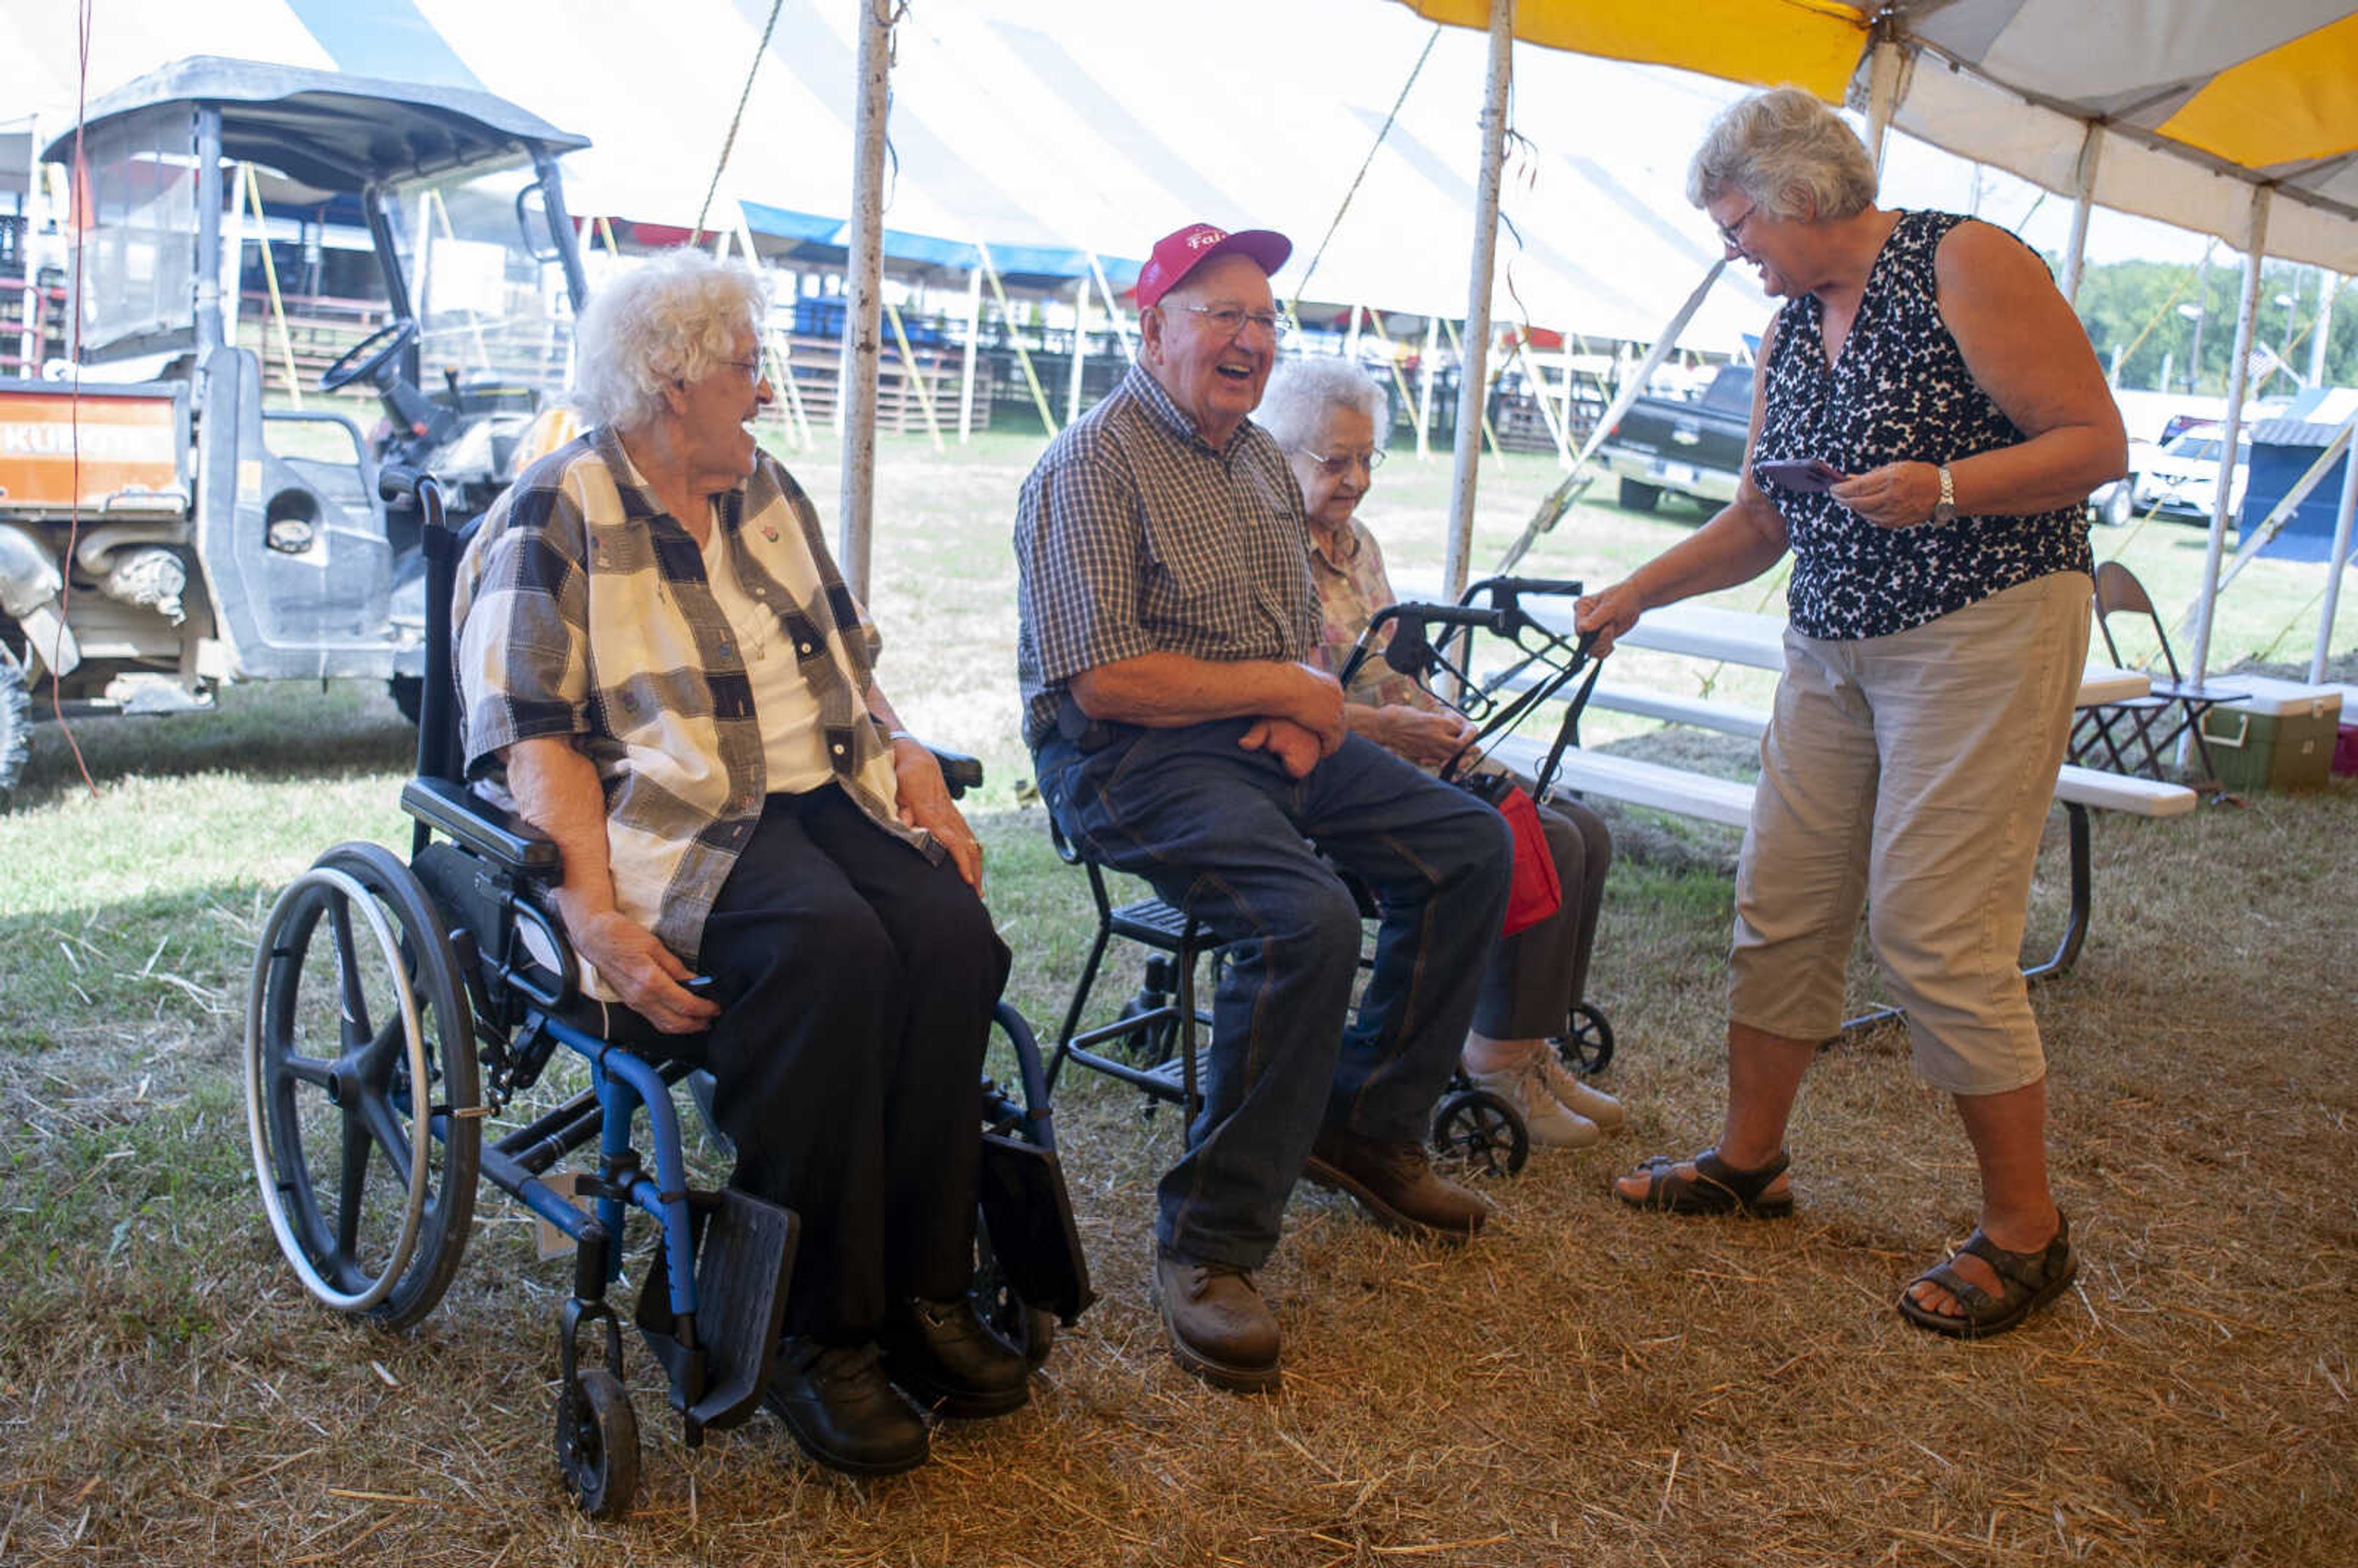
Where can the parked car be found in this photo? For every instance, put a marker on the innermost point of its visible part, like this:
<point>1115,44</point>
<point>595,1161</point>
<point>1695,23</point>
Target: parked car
<point>2182,479</point>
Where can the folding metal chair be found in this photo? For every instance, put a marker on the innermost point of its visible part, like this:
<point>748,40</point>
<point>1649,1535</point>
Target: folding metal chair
<point>2134,736</point>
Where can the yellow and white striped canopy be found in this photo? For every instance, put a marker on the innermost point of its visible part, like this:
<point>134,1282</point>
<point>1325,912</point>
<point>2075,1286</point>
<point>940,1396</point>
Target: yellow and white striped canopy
<point>2200,102</point>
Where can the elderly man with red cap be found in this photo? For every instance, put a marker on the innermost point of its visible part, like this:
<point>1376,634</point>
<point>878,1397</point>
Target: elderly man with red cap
<point>1181,734</point>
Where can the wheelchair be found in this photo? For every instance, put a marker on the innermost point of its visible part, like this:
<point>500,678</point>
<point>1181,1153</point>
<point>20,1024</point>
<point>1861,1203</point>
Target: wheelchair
<point>1152,1041</point>
<point>395,1009</point>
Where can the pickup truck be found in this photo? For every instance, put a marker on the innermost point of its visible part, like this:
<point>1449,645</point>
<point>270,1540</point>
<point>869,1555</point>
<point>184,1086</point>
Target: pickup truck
<point>1684,446</point>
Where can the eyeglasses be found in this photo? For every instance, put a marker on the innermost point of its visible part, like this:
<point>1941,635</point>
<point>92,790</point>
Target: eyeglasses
<point>1341,463</point>
<point>752,368</point>
<point>1733,234</point>
<point>1229,321</point>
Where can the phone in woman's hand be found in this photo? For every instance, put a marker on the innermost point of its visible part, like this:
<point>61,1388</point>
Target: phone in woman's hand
<point>1799,473</point>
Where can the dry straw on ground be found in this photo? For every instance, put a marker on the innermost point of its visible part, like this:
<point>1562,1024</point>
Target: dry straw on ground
<point>1586,1385</point>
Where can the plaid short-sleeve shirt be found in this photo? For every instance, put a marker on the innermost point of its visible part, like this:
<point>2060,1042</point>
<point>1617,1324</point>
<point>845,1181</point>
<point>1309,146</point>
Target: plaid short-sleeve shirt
<point>582,610</point>
<point>1352,587</point>
<point>1134,536</point>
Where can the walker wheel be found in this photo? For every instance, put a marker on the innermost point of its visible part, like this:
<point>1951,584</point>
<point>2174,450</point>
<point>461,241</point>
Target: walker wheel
<point>1477,1134</point>
<point>361,1087</point>
<point>1585,1048</point>
<point>598,1443</point>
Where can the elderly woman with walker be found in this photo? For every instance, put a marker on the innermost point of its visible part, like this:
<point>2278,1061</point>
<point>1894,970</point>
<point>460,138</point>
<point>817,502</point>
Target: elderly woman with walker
<point>1328,415</point>
<point>1928,418</point>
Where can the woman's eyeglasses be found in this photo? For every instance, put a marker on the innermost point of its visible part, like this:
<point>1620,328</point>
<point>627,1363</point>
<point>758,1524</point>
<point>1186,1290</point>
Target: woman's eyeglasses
<point>1341,463</point>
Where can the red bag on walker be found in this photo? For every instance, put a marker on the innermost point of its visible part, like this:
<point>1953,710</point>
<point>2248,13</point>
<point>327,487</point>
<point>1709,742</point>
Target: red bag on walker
<point>1536,893</point>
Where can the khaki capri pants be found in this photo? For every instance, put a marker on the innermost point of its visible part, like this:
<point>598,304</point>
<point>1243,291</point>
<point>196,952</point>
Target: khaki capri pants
<point>1912,774</point>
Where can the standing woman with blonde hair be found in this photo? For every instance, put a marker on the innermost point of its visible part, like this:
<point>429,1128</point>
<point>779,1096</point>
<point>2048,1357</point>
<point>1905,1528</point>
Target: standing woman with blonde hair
<point>1939,609</point>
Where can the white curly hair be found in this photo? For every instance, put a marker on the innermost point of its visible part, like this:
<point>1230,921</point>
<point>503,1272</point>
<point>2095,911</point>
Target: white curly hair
<point>1300,391</point>
<point>669,319</point>
<point>1787,152</point>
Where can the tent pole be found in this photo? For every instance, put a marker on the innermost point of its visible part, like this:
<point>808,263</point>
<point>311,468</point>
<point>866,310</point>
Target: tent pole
<point>2337,559</point>
<point>1883,74</point>
<point>1113,308</point>
<point>1392,363</point>
<point>864,280</point>
<point>973,332</point>
<point>1351,337</point>
<point>2239,373</point>
<point>1474,384</point>
<point>1424,388</point>
<point>2329,284</point>
<point>1007,314</point>
<point>2084,200</point>
<point>1080,348</point>
<point>913,377</point>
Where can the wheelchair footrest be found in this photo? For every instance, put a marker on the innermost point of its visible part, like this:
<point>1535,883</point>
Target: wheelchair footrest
<point>1029,1216</point>
<point>742,1264</point>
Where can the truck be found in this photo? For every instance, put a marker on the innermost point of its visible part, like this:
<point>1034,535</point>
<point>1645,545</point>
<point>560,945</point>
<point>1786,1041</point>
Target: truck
<point>164,529</point>
<point>1684,447</point>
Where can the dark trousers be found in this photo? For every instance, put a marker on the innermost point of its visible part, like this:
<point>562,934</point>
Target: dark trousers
<point>1219,832</point>
<point>1538,975</point>
<point>856,981</point>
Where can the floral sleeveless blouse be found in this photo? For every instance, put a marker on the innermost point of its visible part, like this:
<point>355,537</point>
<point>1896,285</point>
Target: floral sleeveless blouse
<point>1900,392</point>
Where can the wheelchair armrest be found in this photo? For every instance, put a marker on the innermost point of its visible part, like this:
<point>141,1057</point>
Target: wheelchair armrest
<point>500,837</point>
<point>960,771</point>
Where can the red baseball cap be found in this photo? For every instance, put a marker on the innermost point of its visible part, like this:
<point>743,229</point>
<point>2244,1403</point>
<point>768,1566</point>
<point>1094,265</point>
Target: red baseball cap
<point>1178,254</point>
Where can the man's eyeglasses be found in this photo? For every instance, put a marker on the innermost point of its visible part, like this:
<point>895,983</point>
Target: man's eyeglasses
<point>1734,233</point>
<point>1229,320</point>
<point>1341,463</point>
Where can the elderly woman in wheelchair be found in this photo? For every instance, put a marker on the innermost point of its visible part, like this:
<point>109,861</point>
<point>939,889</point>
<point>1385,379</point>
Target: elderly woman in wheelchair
<point>659,663</point>
<point>1326,415</point>
<point>696,838</point>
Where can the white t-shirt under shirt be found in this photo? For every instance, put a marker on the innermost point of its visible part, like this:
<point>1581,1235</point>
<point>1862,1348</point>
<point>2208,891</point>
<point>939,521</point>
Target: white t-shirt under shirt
<point>793,754</point>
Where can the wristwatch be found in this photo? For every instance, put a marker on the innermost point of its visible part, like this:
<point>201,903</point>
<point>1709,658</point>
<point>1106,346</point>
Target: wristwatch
<point>1945,509</point>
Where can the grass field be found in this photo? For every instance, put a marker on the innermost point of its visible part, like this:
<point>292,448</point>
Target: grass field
<point>1586,1385</point>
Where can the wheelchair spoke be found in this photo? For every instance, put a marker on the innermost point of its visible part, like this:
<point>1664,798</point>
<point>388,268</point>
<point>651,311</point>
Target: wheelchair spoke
<point>392,1135</point>
<point>352,1189</point>
<point>309,1070</point>
<point>351,996</point>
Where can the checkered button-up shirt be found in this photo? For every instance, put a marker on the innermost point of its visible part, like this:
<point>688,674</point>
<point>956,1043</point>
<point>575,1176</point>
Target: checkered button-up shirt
<point>1134,536</point>
<point>582,610</point>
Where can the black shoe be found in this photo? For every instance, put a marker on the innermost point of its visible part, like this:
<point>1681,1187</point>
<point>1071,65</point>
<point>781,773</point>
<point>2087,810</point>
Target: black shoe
<point>842,1412</point>
<point>944,1357</point>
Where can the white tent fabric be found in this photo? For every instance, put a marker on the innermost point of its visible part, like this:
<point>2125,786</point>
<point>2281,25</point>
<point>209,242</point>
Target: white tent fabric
<point>1048,123</point>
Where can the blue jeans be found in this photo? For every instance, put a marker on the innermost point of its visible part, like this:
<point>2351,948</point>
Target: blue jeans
<point>1219,832</point>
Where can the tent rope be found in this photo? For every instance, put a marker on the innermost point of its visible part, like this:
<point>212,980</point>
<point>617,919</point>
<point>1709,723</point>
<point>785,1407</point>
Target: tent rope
<point>1295,305</point>
<point>728,143</point>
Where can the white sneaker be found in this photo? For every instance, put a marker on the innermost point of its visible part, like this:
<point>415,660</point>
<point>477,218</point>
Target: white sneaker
<point>1551,1124</point>
<point>1579,1097</point>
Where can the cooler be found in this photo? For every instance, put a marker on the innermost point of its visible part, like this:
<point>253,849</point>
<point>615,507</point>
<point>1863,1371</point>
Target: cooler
<point>2280,737</point>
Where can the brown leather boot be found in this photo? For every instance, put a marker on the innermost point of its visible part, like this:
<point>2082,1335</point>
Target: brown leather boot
<point>1220,1329</point>
<point>1396,1185</point>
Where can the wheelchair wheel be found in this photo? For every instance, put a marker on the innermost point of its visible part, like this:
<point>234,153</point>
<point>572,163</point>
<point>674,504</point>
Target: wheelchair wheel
<point>360,1082</point>
<point>1477,1134</point>
<point>1585,1048</point>
<point>598,1443</point>
<point>1028,1328</point>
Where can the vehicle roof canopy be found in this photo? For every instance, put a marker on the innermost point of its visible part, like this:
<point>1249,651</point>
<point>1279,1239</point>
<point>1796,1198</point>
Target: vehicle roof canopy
<point>332,131</point>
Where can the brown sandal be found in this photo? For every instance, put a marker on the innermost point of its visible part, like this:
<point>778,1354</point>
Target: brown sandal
<point>2027,1281</point>
<point>1717,1187</point>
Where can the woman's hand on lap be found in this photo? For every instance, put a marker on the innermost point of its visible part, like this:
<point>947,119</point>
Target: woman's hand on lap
<point>646,973</point>
<point>925,802</point>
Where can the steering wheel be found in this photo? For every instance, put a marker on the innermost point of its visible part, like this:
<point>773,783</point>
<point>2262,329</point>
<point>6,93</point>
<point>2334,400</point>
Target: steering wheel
<point>368,359</point>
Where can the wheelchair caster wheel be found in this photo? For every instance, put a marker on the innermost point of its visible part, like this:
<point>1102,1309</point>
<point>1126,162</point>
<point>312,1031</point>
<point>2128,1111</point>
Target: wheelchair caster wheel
<point>1151,1045</point>
<point>1026,1327</point>
<point>1585,1048</point>
<point>361,1087</point>
<point>598,1443</point>
<point>1477,1134</point>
